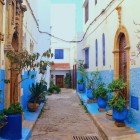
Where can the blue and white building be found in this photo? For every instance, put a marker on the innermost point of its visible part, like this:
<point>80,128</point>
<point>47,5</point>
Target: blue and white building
<point>110,45</point>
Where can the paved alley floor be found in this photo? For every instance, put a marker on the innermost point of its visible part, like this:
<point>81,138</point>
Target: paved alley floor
<point>62,118</point>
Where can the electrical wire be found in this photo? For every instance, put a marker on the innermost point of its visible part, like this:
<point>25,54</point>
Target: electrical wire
<point>63,40</point>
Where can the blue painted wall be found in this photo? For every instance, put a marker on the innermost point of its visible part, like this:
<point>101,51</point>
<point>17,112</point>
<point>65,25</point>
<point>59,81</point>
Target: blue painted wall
<point>25,85</point>
<point>2,76</point>
<point>134,113</point>
<point>106,76</point>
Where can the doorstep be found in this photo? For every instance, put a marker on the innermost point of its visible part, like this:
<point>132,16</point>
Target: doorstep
<point>30,119</point>
<point>107,128</point>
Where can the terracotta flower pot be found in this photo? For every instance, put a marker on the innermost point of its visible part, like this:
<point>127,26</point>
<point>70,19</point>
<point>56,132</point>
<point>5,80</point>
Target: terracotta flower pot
<point>32,107</point>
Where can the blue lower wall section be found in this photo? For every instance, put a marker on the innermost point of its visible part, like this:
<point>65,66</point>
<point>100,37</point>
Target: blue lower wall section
<point>2,77</point>
<point>106,76</point>
<point>25,85</point>
<point>134,113</point>
<point>134,98</point>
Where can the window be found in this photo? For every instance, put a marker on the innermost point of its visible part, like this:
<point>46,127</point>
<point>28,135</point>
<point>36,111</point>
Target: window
<point>87,57</point>
<point>86,12</point>
<point>96,51</point>
<point>95,2</point>
<point>103,47</point>
<point>59,54</point>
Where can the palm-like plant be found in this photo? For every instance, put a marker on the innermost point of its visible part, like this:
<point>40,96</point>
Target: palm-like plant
<point>37,92</point>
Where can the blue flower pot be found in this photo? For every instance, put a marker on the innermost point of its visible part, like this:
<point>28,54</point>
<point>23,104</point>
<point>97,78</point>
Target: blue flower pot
<point>120,116</point>
<point>89,94</point>
<point>102,102</point>
<point>13,129</point>
<point>81,87</point>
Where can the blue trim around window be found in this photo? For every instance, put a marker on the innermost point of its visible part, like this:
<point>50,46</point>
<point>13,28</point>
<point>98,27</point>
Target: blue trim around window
<point>59,54</point>
<point>103,47</point>
<point>87,57</point>
<point>96,47</point>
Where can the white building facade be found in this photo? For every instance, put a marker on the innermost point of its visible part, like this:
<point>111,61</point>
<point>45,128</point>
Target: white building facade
<point>64,52</point>
<point>66,23</point>
<point>34,41</point>
<point>110,45</point>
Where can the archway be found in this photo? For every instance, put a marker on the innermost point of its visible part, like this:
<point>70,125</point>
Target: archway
<point>121,57</point>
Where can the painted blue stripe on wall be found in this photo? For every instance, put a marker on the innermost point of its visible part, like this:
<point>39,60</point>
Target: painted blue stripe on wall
<point>2,76</point>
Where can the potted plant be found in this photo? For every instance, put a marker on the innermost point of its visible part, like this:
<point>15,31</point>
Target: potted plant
<point>20,61</point>
<point>89,89</point>
<point>14,118</point>
<point>92,83</point>
<point>81,69</point>
<point>2,119</point>
<point>101,95</point>
<point>37,94</point>
<point>54,89</point>
<point>118,101</point>
<point>117,85</point>
<point>80,84</point>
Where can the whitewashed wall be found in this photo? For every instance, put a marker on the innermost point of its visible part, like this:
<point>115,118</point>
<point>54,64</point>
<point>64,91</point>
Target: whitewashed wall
<point>30,32</point>
<point>44,25</point>
<point>108,24</point>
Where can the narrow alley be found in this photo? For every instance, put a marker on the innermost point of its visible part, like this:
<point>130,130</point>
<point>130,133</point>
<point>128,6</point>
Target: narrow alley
<point>62,118</point>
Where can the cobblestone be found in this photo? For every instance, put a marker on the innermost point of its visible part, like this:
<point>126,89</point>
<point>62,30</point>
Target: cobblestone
<point>62,118</point>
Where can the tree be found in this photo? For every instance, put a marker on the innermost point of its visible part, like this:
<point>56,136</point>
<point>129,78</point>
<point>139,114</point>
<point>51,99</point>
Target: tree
<point>23,61</point>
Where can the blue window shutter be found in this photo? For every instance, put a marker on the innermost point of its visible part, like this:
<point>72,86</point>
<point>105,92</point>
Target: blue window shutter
<point>103,47</point>
<point>96,47</point>
<point>87,58</point>
<point>59,54</point>
<point>56,54</point>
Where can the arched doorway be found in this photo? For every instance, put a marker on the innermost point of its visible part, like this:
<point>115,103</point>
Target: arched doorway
<point>121,57</point>
<point>122,60</point>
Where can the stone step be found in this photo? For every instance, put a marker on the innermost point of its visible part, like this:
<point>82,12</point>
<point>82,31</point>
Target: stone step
<point>111,132</point>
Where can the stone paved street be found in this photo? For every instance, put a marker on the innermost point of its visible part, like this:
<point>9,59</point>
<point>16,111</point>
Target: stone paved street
<point>63,117</point>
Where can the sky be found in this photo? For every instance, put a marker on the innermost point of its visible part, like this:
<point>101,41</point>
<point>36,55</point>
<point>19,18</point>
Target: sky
<point>63,20</point>
<point>78,10</point>
<point>64,16</point>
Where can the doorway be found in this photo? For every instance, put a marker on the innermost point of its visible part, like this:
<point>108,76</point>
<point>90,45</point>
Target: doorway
<point>60,81</point>
<point>121,58</point>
